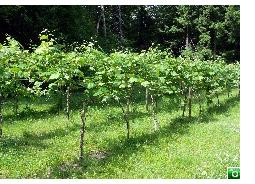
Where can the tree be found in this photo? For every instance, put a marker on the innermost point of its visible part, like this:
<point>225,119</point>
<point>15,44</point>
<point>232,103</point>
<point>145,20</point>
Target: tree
<point>201,28</point>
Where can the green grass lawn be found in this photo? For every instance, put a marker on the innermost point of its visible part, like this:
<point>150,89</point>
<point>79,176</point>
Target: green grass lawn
<point>40,143</point>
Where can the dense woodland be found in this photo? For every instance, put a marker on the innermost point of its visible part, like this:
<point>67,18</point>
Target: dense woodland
<point>211,30</point>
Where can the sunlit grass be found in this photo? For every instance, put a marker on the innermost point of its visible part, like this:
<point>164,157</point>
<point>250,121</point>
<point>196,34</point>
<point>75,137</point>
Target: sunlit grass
<point>42,144</point>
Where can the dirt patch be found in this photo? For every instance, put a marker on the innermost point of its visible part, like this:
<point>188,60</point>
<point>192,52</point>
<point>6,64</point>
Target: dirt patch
<point>99,155</point>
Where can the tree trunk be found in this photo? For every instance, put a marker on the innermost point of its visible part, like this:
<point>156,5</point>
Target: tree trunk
<point>184,102</point>
<point>1,103</point>
<point>68,95</point>
<point>181,94</point>
<point>1,117</point>
<point>213,42</point>
<point>156,99</point>
<point>239,90</point>
<point>60,102</point>
<point>98,23</point>
<point>187,38</point>
<point>147,98</point>
<point>103,16</point>
<point>208,99</point>
<point>1,125</point>
<point>190,101</point>
<point>218,100</point>
<point>200,108</point>
<point>154,117</point>
<point>120,25</point>
<point>82,132</point>
<point>127,116</point>
<point>214,47</point>
<point>16,105</point>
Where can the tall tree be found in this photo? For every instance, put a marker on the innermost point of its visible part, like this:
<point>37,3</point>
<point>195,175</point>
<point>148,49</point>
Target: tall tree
<point>202,28</point>
<point>184,24</point>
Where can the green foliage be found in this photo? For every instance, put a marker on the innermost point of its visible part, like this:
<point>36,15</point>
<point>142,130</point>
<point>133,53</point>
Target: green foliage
<point>211,27</point>
<point>48,69</point>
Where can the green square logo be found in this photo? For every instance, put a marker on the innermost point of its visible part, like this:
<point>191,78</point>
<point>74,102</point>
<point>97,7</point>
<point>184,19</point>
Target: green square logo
<point>233,172</point>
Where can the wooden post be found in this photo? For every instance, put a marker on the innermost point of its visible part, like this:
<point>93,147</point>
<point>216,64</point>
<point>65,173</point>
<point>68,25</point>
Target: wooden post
<point>239,90</point>
<point>185,101</point>
<point>208,100</point>
<point>82,132</point>
<point>60,100</point>
<point>1,102</point>
<point>1,117</point>
<point>1,125</point>
<point>156,102</point>
<point>190,100</point>
<point>68,102</point>
<point>218,100</point>
<point>155,120</point>
<point>147,98</point>
<point>127,116</point>
<point>16,105</point>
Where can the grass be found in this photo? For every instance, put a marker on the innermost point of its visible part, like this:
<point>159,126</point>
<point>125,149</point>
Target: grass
<point>40,143</point>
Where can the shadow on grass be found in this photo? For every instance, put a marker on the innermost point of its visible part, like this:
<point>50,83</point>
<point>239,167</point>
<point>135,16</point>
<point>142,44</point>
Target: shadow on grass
<point>119,151</point>
<point>223,107</point>
<point>76,104</point>
<point>7,143</point>
<point>33,140</point>
<point>114,119</point>
<point>173,103</point>
<point>207,116</point>
<point>33,114</point>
